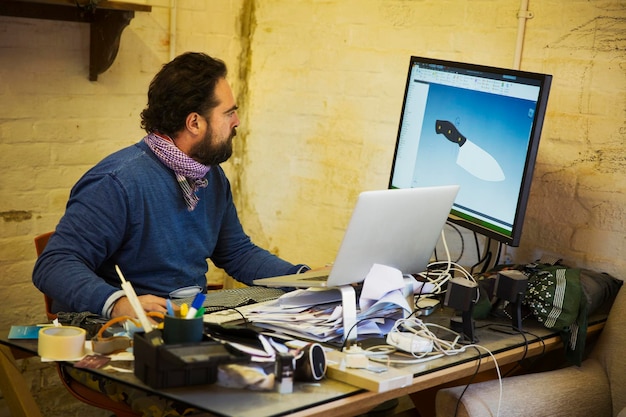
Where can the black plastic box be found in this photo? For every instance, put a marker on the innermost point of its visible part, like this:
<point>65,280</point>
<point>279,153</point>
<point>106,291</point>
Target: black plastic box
<point>166,366</point>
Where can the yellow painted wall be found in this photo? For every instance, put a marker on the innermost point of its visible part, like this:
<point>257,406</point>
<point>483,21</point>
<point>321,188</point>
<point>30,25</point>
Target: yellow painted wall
<point>320,87</point>
<point>323,88</point>
<point>326,87</point>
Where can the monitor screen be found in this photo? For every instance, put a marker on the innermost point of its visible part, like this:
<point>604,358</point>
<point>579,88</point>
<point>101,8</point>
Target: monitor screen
<point>478,127</point>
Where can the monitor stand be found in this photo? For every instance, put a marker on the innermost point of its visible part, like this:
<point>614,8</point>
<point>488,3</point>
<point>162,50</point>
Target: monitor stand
<point>348,306</point>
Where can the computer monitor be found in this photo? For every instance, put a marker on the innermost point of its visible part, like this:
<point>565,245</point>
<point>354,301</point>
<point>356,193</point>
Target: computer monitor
<point>478,127</point>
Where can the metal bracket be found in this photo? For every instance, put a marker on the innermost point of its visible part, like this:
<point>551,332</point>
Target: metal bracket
<point>525,14</point>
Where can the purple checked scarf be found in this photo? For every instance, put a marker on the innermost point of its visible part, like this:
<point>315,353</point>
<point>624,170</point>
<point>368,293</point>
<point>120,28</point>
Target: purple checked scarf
<point>189,173</point>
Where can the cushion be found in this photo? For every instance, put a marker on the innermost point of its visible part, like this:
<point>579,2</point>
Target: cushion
<point>599,289</point>
<point>568,392</point>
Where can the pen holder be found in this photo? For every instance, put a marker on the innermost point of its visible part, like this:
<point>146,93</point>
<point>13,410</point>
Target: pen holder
<point>177,330</point>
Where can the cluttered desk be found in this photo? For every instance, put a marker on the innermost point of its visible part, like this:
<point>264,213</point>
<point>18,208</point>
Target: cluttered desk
<point>343,390</point>
<point>205,360</point>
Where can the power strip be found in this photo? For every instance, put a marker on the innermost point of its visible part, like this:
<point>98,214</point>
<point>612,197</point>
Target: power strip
<point>409,342</point>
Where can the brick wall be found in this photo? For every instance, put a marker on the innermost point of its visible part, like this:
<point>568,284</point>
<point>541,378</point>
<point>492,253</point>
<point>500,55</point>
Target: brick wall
<point>55,124</point>
<point>325,93</point>
<point>320,87</point>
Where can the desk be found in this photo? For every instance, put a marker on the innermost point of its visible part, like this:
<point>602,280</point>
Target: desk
<point>335,398</point>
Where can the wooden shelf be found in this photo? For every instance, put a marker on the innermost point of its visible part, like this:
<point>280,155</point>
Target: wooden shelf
<point>106,19</point>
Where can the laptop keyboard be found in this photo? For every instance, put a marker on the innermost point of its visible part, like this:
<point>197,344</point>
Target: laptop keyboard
<point>234,297</point>
<point>318,278</point>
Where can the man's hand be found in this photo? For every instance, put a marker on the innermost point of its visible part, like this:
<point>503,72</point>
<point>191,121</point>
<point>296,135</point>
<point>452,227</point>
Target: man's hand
<point>122,306</point>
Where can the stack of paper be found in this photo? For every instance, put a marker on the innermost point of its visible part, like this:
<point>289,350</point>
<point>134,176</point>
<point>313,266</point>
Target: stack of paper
<point>321,323</point>
<point>317,315</point>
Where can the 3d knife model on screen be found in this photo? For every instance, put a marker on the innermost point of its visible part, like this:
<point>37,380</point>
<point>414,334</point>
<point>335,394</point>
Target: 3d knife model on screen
<point>472,158</point>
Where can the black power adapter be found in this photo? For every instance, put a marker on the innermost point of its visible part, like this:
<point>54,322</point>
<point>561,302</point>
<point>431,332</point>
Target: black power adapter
<point>511,286</point>
<point>462,295</point>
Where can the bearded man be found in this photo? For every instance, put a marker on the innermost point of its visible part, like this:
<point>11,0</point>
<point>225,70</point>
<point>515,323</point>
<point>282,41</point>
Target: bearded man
<point>157,209</point>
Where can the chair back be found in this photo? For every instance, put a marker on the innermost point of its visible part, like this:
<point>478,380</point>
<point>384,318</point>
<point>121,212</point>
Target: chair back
<point>40,243</point>
<point>78,390</point>
<point>609,351</point>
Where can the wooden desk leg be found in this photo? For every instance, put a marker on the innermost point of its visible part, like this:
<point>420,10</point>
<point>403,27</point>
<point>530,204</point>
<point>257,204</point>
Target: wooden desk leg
<point>14,388</point>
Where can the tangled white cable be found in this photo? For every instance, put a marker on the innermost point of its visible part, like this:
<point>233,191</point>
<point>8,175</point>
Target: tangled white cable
<point>416,330</point>
<point>439,273</point>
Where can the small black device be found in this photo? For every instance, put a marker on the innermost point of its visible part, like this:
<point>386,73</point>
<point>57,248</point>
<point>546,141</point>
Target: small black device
<point>511,286</point>
<point>311,363</point>
<point>462,295</point>
<point>283,370</point>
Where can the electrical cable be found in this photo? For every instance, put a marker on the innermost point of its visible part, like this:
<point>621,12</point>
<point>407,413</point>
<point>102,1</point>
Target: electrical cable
<point>543,350</point>
<point>488,256</point>
<point>536,358</point>
<point>484,260</point>
<point>499,253</point>
<point>217,309</point>
<point>421,331</point>
<point>343,344</point>
<point>441,347</point>
<point>495,362</point>
<point>523,333</point>
<point>493,327</point>
<point>456,228</point>
<point>439,272</point>
<point>478,254</point>
<point>458,401</point>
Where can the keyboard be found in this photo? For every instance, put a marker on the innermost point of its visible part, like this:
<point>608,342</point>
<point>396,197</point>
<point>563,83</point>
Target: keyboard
<point>234,297</point>
<point>323,278</point>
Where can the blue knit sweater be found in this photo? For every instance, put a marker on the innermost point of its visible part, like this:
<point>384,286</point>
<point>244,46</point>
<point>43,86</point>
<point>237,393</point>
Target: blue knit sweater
<point>129,210</point>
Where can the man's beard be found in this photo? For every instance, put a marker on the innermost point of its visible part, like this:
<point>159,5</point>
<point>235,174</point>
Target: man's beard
<point>209,153</point>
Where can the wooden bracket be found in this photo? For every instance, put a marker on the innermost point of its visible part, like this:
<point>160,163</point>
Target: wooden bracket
<point>106,19</point>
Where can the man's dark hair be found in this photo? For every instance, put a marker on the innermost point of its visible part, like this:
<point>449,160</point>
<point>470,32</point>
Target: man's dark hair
<point>182,86</point>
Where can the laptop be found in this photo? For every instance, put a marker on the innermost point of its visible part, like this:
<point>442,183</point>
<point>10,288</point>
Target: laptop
<point>395,227</point>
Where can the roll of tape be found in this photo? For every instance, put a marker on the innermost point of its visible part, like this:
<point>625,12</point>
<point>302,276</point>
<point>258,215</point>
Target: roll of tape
<point>62,343</point>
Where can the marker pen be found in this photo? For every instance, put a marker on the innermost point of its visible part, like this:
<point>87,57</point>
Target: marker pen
<point>170,308</point>
<point>195,305</point>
